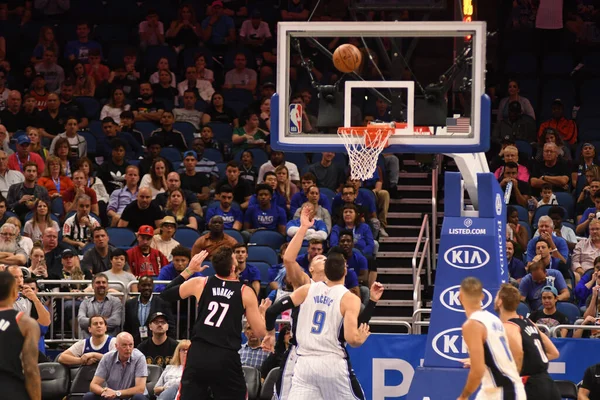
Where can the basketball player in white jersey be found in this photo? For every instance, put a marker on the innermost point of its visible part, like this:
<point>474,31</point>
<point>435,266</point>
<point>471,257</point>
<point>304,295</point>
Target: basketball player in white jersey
<point>322,370</point>
<point>297,278</point>
<point>491,362</point>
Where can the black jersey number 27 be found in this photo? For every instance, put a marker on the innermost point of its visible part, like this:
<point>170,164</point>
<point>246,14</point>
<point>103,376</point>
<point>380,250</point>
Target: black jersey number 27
<point>214,309</point>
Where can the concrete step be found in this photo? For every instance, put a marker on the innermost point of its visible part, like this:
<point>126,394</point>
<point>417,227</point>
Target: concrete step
<point>396,254</point>
<point>410,201</point>
<point>414,175</point>
<point>400,286</point>
<point>395,303</point>
<point>404,214</point>
<point>396,271</point>
<point>398,239</point>
<point>415,188</point>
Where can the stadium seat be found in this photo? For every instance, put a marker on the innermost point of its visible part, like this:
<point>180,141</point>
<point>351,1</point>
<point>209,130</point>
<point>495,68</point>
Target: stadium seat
<point>589,93</point>
<point>570,310</point>
<point>264,271</point>
<point>154,53</point>
<point>222,132</point>
<point>81,381</point>
<point>521,64</point>
<point>267,238</point>
<point>91,141</point>
<point>222,167</point>
<point>213,155</point>
<point>266,391</point>
<point>146,127</point>
<point>569,225</point>
<point>121,237</point>
<point>235,234</point>
<point>527,227</point>
<point>524,147</point>
<point>523,214</point>
<point>567,389</point>
<point>523,310</point>
<point>541,211</point>
<point>299,159</point>
<point>154,372</point>
<point>566,200</point>
<point>557,64</point>
<point>96,128</point>
<point>186,236</point>
<point>210,271</point>
<point>91,107</point>
<point>330,194</point>
<point>188,131</point>
<point>260,156</point>
<point>57,207</point>
<point>172,154</point>
<point>262,253</point>
<point>55,380</point>
<point>252,376</point>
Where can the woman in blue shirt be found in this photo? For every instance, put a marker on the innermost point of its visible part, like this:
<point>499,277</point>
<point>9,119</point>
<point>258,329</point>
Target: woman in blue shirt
<point>363,237</point>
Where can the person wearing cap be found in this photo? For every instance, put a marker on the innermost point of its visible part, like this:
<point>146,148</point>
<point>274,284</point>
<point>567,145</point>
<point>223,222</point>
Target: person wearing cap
<point>538,277</point>
<point>517,126</point>
<point>111,308</point>
<point>70,271</point>
<point>254,31</point>
<point>77,229</point>
<point>143,259</point>
<point>158,348</point>
<point>164,241</point>
<point>201,88</point>
<point>191,179</point>
<point>17,160</point>
<point>549,315</point>
<point>13,117</point>
<point>214,239</point>
<point>188,112</point>
<point>203,164</point>
<point>39,91</point>
<point>218,29</point>
<point>566,128</point>
<point>133,149</point>
<point>241,77</point>
<point>181,258</point>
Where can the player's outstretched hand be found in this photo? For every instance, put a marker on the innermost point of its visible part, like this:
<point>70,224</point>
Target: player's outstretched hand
<point>306,219</point>
<point>264,305</point>
<point>364,331</point>
<point>196,263</point>
<point>376,291</point>
<point>268,343</point>
<point>466,363</point>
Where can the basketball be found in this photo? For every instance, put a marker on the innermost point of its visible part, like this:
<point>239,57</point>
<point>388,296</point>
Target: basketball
<point>347,58</point>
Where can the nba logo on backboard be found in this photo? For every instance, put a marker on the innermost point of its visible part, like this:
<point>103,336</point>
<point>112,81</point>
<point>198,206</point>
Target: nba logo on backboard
<point>295,118</point>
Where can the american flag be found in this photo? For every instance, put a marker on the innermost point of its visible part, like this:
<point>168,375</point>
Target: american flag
<point>458,125</point>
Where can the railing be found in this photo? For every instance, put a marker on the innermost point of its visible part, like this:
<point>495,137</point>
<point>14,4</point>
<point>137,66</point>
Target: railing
<point>416,320</point>
<point>425,255</point>
<point>555,329</point>
<point>392,322</point>
<point>435,172</point>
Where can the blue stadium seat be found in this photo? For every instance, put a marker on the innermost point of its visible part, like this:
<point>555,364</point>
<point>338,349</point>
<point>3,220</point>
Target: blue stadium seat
<point>523,213</point>
<point>260,156</point>
<point>95,127</point>
<point>330,194</point>
<point>213,155</point>
<point>524,147</point>
<point>589,128</point>
<point>566,200</point>
<point>527,227</point>
<point>557,64</point>
<point>262,253</point>
<point>210,271</point>
<point>91,107</point>
<point>529,88</point>
<point>239,95</point>
<point>589,92</point>
<point>238,106</point>
<point>264,271</point>
<point>267,238</point>
<point>172,154</point>
<point>121,237</point>
<point>235,234</point>
<point>188,131</point>
<point>222,132</point>
<point>570,310</point>
<point>154,53</point>
<point>541,211</point>
<point>57,207</point>
<point>222,166</point>
<point>146,127</point>
<point>91,141</point>
<point>521,64</point>
<point>523,310</point>
<point>186,237</point>
<point>297,158</point>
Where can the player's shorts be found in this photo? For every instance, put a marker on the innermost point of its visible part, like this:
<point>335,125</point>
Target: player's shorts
<point>513,392</point>
<point>284,383</point>
<point>16,389</point>
<point>324,377</point>
<point>541,386</point>
<point>212,369</point>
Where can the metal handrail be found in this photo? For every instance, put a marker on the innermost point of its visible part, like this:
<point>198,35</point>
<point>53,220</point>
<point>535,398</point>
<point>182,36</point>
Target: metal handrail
<point>392,322</point>
<point>555,329</point>
<point>544,328</point>
<point>425,255</point>
<point>416,319</point>
<point>434,212</point>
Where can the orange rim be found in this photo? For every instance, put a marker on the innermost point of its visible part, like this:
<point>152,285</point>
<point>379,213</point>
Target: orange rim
<point>372,134</point>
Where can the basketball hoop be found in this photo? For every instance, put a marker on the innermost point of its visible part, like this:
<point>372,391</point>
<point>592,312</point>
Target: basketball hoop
<point>364,144</point>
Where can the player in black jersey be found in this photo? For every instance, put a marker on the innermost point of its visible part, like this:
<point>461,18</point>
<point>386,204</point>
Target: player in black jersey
<point>213,360</point>
<point>19,336</point>
<point>530,348</point>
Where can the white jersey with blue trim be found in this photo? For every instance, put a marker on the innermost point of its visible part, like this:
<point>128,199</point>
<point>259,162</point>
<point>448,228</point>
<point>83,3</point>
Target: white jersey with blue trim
<point>501,375</point>
<point>320,321</point>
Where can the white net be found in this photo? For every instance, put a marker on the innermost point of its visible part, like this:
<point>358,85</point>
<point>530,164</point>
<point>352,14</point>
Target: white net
<point>364,146</point>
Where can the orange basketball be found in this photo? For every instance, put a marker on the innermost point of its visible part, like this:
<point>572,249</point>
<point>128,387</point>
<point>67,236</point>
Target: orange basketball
<point>347,58</point>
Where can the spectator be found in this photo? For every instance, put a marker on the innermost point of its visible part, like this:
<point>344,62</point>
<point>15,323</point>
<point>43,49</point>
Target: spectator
<point>138,309</point>
<point>308,180</point>
<point>36,143</point>
<point>8,177</point>
<point>321,213</point>
<point>281,346</point>
<point>16,161</point>
<point>46,41</point>
<point>362,235</point>
<point>203,164</point>
<point>513,96</point>
<point>156,179</point>
<point>146,108</point>
<point>545,248</point>
<point>125,77</point>
<point>102,304</point>
<point>218,29</point>
<point>115,106</point>
<point>351,280</point>
<point>317,231</point>
<point>168,384</point>
<point>98,258</point>
<point>586,251</point>
<point>77,229</point>
<point>49,120</point>
<point>285,188</point>
<point>589,215</point>
<point>53,74</point>
<point>116,273</point>
<point>549,315</point>
<point>248,171</point>
<point>550,135</point>
<point>295,10</point>
<point>242,190</point>
<point>514,230</point>
<point>181,258</point>
<point>217,111</point>
<point>158,348</point>
<point>590,387</point>
<point>22,241</point>
<point>62,150</point>
<point>37,263</point>
<point>70,270</point>
<point>80,49</point>
<point>162,65</point>
<point>248,274</point>
<point>193,180</point>
<point>39,221</point>
<point>94,69</point>
<point>127,124</point>
<point>91,350</point>
<point>79,189</point>
<point>69,106</point>
<point>277,158</point>
<point>548,198</point>
<point>566,128</point>
<point>517,126</point>
<point>201,88</point>
<point>13,117</point>
<point>4,140</point>
<point>364,204</point>
<point>511,155</point>
<point>201,70</point>
<point>232,216</point>
<point>21,196</point>
<point>144,260</point>
<point>164,241</point>
<point>52,253</point>
<point>188,112</point>
<point>240,77</point>
<point>588,281</point>
<point>552,170</point>
<point>86,166</point>
<point>214,239</point>
<point>270,179</point>
<point>516,268</point>
<point>177,208</point>
<point>251,353</point>
<point>38,91</point>
<point>378,221</point>
<point>169,136</point>
<point>140,212</point>
<point>122,373</point>
<point>28,302</point>
<point>265,215</point>
<point>77,143</point>
<point>585,165</point>
<point>254,31</point>
<point>537,279</point>
<point>84,84</point>
<point>557,214</point>
<point>164,90</point>
<point>328,173</point>
<point>114,170</point>
<point>264,118</point>
<point>589,317</point>
<point>152,31</point>
<point>185,31</point>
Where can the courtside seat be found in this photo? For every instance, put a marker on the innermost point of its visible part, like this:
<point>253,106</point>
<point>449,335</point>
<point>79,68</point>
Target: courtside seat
<point>81,382</point>
<point>154,372</point>
<point>252,376</point>
<point>266,391</point>
<point>55,380</point>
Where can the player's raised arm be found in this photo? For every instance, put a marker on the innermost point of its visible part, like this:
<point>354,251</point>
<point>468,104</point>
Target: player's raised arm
<point>182,288</point>
<point>354,334</point>
<point>474,334</point>
<point>255,314</point>
<point>515,343</point>
<point>293,270</point>
<point>375,294</point>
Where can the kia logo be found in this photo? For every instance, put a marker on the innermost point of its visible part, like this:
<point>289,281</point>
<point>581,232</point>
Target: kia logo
<point>449,345</point>
<point>449,299</point>
<point>466,257</point>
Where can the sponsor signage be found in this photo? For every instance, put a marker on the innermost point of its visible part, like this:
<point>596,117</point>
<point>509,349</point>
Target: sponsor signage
<point>449,299</point>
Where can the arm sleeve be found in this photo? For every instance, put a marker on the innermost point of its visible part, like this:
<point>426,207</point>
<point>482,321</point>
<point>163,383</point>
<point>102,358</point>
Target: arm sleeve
<point>367,313</point>
<point>283,304</point>
<point>523,286</point>
<point>576,258</point>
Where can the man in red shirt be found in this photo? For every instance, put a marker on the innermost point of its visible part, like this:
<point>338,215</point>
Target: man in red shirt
<point>567,128</point>
<point>144,260</point>
<point>72,194</point>
<point>17,160</point>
